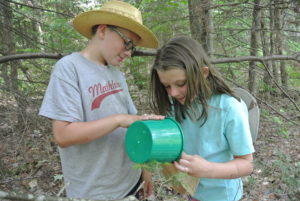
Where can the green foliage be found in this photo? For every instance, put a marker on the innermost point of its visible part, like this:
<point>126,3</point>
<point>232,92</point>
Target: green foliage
<point>58,177</point>
<point>294,75</point>
<point>264,113</point>
<point>137,69</point>
<point>163,17</point>
<point>283,129</point>
<point>289,173</point>
<point>284,171</point>
<point>155,166</point>
<point>150,166</point>
<point>277,120</point>
<point>282,126</point>
<point>38,30</point>
<point>251,181</point>
<point>265,87</point>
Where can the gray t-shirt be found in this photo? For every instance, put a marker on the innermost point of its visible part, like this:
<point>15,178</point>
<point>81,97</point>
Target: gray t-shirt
<point>82,91</point>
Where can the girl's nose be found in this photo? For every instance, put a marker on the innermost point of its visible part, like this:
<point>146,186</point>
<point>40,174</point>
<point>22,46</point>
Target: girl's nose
<point>174,92</point>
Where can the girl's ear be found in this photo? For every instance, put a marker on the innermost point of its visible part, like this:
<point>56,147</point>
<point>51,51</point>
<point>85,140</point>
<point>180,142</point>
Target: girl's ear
<point>206,71</point>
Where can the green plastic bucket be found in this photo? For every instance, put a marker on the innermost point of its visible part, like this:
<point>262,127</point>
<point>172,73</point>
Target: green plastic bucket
<point>159,140</point>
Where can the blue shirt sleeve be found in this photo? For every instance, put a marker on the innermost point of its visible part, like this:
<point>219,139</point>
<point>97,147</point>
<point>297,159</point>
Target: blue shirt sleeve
<point>237,129</point>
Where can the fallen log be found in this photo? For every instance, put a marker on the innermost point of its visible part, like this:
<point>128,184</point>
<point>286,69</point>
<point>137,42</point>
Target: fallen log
<point>30,197</point>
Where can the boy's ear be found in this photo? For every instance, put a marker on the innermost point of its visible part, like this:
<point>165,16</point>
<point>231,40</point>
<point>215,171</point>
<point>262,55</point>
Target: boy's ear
<point>101,30</point>
<point>206,71</point>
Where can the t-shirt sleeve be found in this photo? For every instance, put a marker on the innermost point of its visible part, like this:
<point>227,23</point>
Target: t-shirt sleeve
<point>237,129</point>
<point>62,100</point>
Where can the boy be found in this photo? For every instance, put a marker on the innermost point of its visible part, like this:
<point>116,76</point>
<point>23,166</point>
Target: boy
<point>88,101</point>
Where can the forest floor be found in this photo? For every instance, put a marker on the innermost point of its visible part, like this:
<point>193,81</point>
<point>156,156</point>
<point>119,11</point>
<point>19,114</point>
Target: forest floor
<point>30,161</point>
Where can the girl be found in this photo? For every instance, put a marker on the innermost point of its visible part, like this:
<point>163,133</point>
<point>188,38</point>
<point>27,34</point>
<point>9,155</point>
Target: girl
<point>217,141</point>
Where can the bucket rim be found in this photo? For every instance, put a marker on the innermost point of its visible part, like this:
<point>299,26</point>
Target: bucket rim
<point>181,134</point>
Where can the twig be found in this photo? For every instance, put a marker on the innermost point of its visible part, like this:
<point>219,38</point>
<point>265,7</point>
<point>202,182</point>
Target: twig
<point>268,70</point>
<point>270,106</point>
<point>62,189</point>
<point>140,186</point>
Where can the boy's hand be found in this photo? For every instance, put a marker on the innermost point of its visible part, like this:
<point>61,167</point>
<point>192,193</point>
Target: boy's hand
<point>125,120</point>
<point>152,117</point>
<point>148,187</point>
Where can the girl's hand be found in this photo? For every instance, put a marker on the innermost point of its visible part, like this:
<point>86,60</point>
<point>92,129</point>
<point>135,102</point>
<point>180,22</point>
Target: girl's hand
<point>125,120</point>
<point>194,165</point>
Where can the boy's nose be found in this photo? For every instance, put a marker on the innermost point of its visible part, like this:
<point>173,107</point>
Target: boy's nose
<point>128,53</point>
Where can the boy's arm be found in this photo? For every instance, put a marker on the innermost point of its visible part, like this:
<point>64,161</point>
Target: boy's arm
<point>148,186</point>
<point>71,133</point>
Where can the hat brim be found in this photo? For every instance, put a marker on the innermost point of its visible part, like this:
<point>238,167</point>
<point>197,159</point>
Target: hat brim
<point>253,110</point>
<point>84,22</point>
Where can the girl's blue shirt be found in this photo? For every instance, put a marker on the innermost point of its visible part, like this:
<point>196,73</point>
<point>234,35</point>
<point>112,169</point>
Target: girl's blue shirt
<point>224,135</point>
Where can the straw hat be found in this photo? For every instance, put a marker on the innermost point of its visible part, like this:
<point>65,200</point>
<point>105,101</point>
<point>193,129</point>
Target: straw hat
<point>116,13</point>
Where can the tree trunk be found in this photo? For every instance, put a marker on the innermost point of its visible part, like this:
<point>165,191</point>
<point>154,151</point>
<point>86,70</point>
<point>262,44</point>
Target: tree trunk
<point>273,66</point>
<point>11,70</point>
<point>253,45</point>
<point>279,42</point>
<point>36,25</point>
<point>8,45</point>
<point>266,52</point>
<point>272,39</point>
<point>201,23</point>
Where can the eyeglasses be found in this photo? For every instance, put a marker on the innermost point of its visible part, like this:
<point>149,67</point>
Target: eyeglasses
<point>127,42</point>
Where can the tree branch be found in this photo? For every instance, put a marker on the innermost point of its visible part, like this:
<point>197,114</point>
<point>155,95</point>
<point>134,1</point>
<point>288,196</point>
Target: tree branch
<point>294,57</point>
<point>270,74</point>
<point>12,57</point>
<point>40,8</point>
<point>277,112</point>
<point>268,105</point>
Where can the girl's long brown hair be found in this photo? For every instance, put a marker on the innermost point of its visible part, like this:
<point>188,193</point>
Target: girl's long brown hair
<point>187,54</point>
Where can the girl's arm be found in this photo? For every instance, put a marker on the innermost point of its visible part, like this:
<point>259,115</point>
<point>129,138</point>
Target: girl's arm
<point>71,133</point>
<point>196,166</point>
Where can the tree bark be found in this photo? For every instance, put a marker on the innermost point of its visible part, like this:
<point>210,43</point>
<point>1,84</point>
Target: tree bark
<point>8,44</point>
<point>279,24</point>
<point>266,52</point>
<point>12,68</point>
<point>254,45</point>
<point>3,49</point>
<point>201,23</point>
<point>274,69</point>
<point>36,25</point>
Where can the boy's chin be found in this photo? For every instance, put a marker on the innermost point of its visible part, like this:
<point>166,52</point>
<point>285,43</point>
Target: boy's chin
<point>117,64</point>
